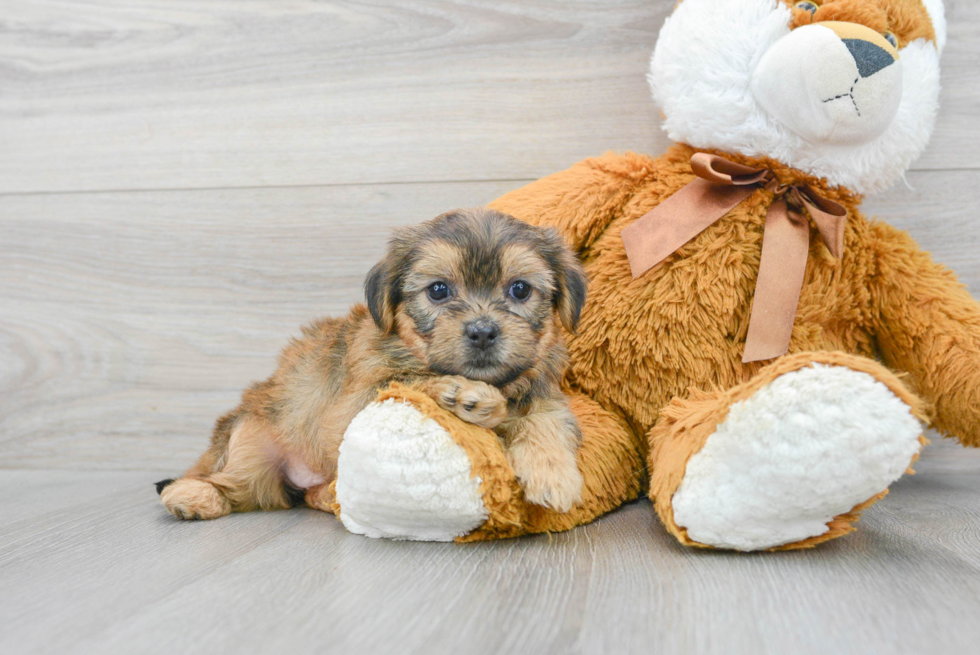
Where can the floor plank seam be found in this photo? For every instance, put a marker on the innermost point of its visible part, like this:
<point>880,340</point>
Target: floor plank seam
<point>249,187</point>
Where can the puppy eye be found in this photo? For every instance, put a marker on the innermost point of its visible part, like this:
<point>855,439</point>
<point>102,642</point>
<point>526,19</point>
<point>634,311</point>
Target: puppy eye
<point>437,291</point>
<point>520,290</point>
<point>891,38</point>
<point>807,6</point>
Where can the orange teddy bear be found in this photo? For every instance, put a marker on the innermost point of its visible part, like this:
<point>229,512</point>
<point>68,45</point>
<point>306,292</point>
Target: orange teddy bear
<point>755,353</point>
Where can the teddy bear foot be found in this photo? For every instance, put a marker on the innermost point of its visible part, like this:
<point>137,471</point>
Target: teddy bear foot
<point>793,461</point>
<point>400,475</point>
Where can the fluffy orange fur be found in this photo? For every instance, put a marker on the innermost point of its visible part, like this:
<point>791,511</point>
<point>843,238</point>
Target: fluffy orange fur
<point>908,20</point>
<point>656,361</point>
<point>658,358</point>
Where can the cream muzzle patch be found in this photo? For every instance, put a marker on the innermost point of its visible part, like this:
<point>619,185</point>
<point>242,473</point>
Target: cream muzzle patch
<point>831,82</point>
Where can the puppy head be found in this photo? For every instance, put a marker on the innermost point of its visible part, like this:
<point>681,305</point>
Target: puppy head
<point>477,293</point>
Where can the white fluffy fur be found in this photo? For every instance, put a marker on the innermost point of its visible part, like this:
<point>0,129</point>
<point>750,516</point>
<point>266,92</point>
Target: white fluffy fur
<point>808,447</point>
<point>937,12</point>
<point>401,476</point>
<point>700,75</point>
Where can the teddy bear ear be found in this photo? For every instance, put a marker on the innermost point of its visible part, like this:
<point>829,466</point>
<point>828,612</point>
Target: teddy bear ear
<point>937,13</point>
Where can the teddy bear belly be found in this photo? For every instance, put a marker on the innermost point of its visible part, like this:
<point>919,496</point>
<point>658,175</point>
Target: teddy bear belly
<point>656,355</point>
<point>682,324</point>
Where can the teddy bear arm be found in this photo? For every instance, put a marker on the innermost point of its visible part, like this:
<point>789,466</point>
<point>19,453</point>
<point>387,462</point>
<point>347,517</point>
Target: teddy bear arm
<point>929,326</point>
<point>581,201</point>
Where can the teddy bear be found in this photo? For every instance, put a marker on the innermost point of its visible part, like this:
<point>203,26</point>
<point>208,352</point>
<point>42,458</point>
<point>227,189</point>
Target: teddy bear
<point>755,354</point>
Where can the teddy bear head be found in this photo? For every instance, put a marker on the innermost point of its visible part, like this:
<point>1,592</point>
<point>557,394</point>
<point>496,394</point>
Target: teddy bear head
<point>846,90</point>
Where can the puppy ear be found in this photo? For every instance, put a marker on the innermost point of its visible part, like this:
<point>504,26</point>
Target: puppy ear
<point>382,287</point>
<point>570,280</point>
<point>376,291</point>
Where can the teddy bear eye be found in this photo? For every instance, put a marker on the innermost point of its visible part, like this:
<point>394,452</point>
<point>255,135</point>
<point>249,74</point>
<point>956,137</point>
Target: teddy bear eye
<point>520,290</point>
<point>807,6</point>
<point>437,291</point>
<point>891,38</point>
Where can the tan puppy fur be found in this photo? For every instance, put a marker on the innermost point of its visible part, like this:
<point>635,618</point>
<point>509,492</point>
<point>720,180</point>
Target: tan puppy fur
<point>465,308</point>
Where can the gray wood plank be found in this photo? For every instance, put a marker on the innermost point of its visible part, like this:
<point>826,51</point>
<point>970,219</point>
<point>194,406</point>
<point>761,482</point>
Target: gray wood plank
<point>28,494</point>
<point>130,321</point>
<point>142,94</point>
<point>116,575</point>
<point>145,94</point>
<point>939,210</point>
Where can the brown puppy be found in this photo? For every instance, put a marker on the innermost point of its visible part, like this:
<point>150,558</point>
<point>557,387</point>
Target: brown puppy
<point>464,307</point>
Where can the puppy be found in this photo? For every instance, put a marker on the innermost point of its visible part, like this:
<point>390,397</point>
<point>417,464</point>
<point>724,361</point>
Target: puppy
<point>465,307</point>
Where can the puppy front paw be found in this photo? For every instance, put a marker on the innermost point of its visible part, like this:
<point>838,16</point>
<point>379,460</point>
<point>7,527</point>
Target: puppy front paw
<point>549,479</point>
<point>189,498</point>
<point>475,402</point>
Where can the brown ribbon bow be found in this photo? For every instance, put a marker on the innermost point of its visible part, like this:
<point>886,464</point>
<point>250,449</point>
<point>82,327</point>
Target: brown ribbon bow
<point>721,185</point>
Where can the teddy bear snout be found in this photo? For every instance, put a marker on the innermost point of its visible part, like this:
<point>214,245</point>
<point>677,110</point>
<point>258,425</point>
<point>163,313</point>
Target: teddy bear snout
<point>831,82</point>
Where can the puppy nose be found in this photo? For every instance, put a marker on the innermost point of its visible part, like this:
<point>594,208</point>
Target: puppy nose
<point>481,333</point>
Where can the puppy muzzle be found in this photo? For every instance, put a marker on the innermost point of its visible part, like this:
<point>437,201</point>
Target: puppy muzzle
<point>831,82</point>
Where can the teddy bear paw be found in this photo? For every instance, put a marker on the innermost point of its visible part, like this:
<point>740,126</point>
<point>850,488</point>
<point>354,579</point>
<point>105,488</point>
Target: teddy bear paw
<point>400,475</point>
<point>810,446</point>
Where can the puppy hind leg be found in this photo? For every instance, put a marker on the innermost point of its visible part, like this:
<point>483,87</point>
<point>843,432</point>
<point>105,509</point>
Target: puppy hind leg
<point>193,498</point>
<point>190,496</point>
<point>249,477</point>
<point>322,497</point>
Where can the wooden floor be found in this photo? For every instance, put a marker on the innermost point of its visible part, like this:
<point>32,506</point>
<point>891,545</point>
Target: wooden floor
<point>182,184</point>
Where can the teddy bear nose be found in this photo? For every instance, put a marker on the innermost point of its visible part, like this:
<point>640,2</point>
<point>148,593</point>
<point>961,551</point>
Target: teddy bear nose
<point>482,333</point>
<point>870,58</point>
